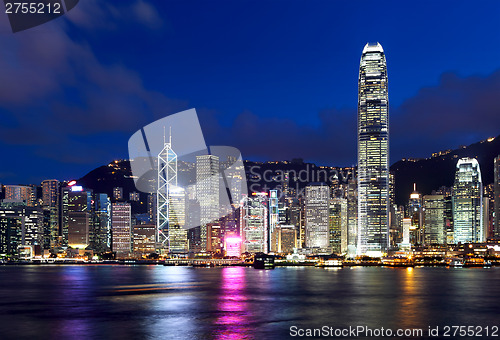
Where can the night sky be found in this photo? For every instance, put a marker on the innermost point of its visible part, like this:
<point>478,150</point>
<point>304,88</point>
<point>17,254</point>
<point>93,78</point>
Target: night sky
<point>277,79</point>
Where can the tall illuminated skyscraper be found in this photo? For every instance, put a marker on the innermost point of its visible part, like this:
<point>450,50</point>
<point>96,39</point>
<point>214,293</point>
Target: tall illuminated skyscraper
<point>100,236</point>
<point>78,221</point>
<point>338,225</point>
<point>467,198</point>
<point>273,216</point>
<point>373,152</point>
<point>207,193</point>
<point>352,216</point>
<point>254,223</point>
<point>51,194</point>
<point>167,179</point>
<point>121,224</point>
<point>434,219</point>
<point>317,215</point>
<point>496,213</point>
<point>176,231</point>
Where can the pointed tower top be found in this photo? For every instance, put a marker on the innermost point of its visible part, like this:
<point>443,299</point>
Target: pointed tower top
<point>373,47</point>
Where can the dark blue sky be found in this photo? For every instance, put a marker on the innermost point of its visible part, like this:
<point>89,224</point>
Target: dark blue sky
<point>277,79</point>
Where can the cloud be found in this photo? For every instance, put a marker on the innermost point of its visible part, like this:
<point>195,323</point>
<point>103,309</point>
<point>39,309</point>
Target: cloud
<point>53,87</point>
<point>94,15</point>
<point>333,141</point>
<point>457,111</point>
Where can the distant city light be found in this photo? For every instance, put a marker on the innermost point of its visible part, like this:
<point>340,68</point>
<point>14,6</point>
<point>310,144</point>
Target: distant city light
<point>71,183</point>
<point>76,188</point>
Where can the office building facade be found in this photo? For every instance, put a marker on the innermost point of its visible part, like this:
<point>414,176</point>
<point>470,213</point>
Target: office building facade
<point>467,198</point>
<point>373,152</point>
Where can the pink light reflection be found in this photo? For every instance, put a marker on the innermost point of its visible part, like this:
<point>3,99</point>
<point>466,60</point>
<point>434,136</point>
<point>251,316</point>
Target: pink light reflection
<point>234,317</point>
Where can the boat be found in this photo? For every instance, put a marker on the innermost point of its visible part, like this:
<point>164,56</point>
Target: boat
<point>397,262</point>
<point>203,265</point>
<point>329,263</point>
<point>263,261</point>
<point>474,262</point>
<point>457,263</point>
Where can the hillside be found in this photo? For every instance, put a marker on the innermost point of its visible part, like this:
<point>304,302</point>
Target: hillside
<point>429,173</point>
<point>434,172</point>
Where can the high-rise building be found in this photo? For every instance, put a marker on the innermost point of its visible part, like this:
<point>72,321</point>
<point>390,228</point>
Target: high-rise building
<point>134,196</point>
<point>399,215</point>
<point>415,212</point>
<point>254,223</point>
<point>317,206</point>
<point>121,229</point>
<point>273,215</point>
<point>178,240</point>
<point>50,192</point>
<point>284,239</point>
<point>352,216</point>
<point>152,208</point>
<point>207,193</point>
<point>79,218</point>
<point>434,219</point>
<point>167,181</point>
<point>215,240</point>
<point>406,226</point>
<point>486,217</point>
<point>118,193</point>
<point>21,193</point>
<point>194,239</point>
<point>338,225</point>
<point>497,198</point>
<point>100,234</point>
<point>144,239</point>
<point>489,210</point>
<point>373,152</point>
<point>467,200</point>
<point>19,226</point>
<point>51,195</point>
<point>448,211</point>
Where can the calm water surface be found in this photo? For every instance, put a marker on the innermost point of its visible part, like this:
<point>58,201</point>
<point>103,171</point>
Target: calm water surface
<point>156,302</point>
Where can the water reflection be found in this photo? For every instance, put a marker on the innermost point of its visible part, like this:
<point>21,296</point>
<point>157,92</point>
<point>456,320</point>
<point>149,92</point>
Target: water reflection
<point>75,302</point>
<point>121,302</point>
<point>410,303</point>
<point>232,308</point>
